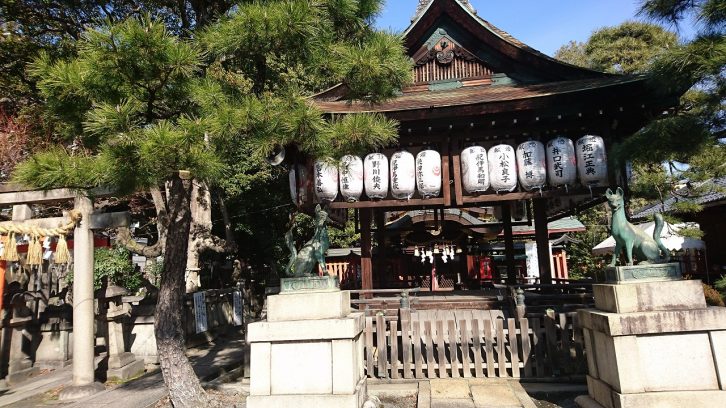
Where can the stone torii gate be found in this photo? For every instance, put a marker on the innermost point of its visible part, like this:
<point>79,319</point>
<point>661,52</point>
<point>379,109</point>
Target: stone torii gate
<point>83,313</point>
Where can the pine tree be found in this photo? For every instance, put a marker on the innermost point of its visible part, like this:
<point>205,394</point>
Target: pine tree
<point>146,108</point>
<point>690,140</point>
<point>629,48</point>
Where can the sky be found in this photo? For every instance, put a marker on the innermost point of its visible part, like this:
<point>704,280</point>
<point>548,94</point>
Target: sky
<point>542,24</point>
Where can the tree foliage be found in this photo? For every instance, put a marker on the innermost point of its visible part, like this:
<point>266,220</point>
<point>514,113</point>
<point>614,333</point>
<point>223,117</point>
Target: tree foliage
<point>689,141</point>
<point>628,48</point>
<point>138,104</point>
<point>679,154</point>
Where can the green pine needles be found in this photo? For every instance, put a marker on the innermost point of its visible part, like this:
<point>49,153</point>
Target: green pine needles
<point>138,103</point>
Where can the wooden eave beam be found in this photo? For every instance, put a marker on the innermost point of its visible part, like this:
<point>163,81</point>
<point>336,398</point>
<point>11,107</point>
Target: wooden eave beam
<point>468,201</point>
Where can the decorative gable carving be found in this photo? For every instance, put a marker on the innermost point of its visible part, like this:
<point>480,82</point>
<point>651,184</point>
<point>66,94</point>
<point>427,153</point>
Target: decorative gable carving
<point>447,60</point>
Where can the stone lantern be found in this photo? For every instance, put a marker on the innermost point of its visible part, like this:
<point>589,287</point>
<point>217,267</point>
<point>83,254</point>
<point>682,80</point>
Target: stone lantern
<point>20,364</point>
<point>122,364</point>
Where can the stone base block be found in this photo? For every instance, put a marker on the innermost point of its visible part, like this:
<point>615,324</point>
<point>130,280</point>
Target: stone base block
<point>672,362</point>
<point>658,322</point>
<point>121,360</point>
<point>54,350</point>
<point>671,399</point>
<point>303,330</point>
<point>649,296</point>
<point>312,305</point>
<point>80,391</point>
<point>639,273</point>
<point>133,369</point>
<point>18,376</point>
<point>354,400</point>
<point>54,364</point>
<point>585,401</point>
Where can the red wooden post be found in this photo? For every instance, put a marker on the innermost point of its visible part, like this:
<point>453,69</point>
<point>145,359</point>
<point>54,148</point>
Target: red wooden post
<point>541,234</point>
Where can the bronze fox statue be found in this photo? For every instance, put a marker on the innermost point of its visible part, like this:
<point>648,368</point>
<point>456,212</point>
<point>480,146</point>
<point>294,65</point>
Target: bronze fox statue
<point>303,262</point>
<point>636,243</point>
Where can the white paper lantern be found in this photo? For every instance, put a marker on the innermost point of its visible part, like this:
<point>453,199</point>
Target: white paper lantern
<point>531,165</point>
<point>428,173</point>
<point>375,175</point>
<point>561,162</point>
<point>326,180</point>
<point>502,168</point>
<point>403,175</point>
<point>298,184</point>
<point>351,178</point>
<point>592,162</point>
<point>475,169</point>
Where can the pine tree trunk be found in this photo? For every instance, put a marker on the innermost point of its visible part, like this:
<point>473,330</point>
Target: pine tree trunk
<point>185,391</point>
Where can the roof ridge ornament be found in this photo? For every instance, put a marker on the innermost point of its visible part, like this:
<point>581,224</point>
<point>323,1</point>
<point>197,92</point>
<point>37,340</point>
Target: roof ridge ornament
<point>423,4</point>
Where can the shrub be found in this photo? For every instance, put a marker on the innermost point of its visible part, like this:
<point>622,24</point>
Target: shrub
<point>713,298</point>
<point>114,263</point>
<point>720,284</point>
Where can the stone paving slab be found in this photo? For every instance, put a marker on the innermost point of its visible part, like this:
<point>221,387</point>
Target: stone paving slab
<point>450,389</point>
<point>35,386</point>
<point>498,395</point>
<point>452,403</point>
<point>208,360</point>
<point>473,393</point>
<point>141,393</point>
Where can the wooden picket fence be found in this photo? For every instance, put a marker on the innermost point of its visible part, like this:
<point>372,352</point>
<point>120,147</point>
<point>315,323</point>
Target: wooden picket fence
<point>412,346</point>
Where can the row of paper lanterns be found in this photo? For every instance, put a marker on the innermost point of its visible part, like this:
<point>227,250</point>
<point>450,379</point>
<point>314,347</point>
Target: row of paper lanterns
<point>533,165</point>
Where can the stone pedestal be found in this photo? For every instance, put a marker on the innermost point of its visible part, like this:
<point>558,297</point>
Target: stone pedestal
<point>56,338</point>
<point>309,353</point>
<point>654,344</point>
<point>56,342</point>
<point>20,364</point>
<point>122,365</point>
<point>141,334</point>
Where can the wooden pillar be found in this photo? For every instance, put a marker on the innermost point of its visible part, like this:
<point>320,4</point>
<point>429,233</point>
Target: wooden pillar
<point>509,243</point>
<point>472,271</point>
<point>541,236</point>
<point>379,268</point>
<point>366,266</point>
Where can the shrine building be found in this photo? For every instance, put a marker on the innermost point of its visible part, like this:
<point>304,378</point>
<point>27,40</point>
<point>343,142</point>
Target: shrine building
<point>495,138</point>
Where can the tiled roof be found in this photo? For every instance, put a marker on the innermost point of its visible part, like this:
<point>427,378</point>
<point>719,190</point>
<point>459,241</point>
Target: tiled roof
<point>717,194</point>
<point>473,95</point>
<point>567,224</point>
<point>342,252</point>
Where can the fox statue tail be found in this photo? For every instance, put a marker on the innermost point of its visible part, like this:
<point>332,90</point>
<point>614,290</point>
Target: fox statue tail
<point>656,236</point>
<point>293,251</point>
